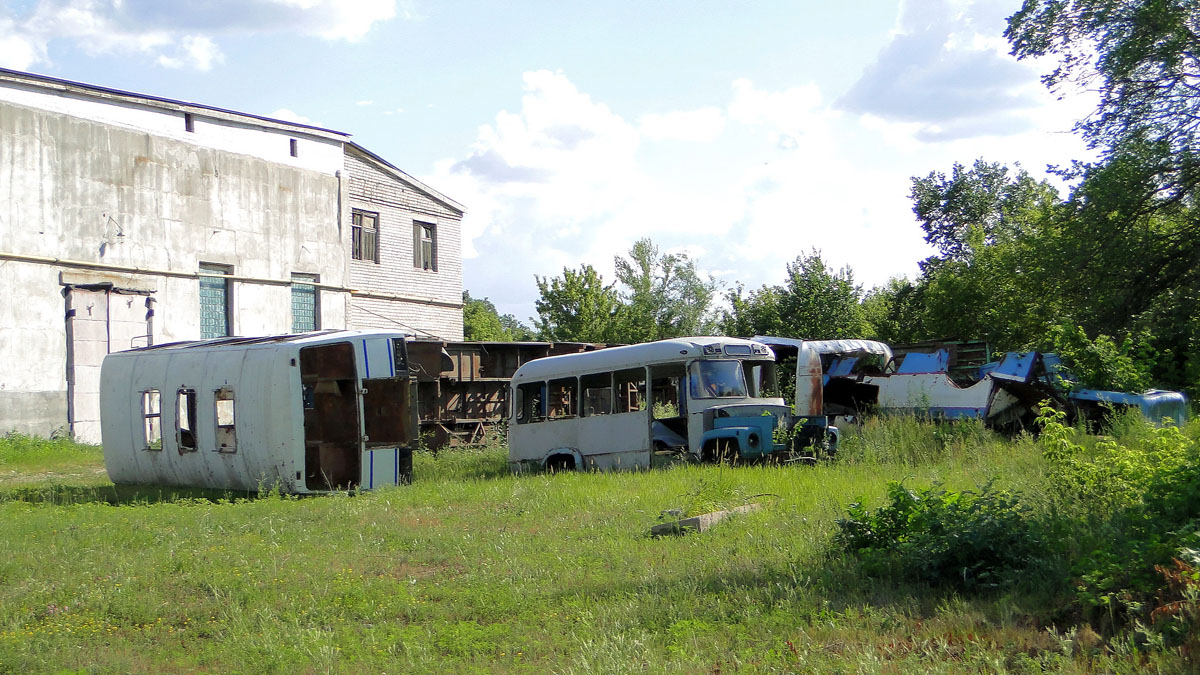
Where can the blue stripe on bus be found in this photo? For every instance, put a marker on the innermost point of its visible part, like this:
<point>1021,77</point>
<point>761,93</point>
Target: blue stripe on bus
<point>371,480</point>
<point>397,466</point>
<point>366,359</point>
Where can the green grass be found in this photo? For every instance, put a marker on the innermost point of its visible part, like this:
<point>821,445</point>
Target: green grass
<point>472,569</point>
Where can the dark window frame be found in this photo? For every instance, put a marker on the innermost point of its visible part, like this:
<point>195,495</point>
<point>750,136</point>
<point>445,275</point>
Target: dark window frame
<point>364,239</point>
<point>425,246</point>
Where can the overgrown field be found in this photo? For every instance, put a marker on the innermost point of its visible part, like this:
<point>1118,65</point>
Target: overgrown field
<point>471,569</point>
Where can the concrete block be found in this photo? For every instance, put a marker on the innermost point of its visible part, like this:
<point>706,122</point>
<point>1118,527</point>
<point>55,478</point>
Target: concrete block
<point>701,522</point>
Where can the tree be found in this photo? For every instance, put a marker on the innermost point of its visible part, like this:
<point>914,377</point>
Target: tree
<point>1131,231</point>
<point>1143,58</point>
<point>756,314</point>
<point>481,321</point>
<point>579,307</point>
<point>815,303</point>
<point>984,197</point>
<point>665,296</point>
<point>895,312</point>
<point>819,303</point>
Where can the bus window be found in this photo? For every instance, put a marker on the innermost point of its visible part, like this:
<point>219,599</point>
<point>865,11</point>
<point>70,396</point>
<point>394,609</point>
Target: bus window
<point>529,402</point>
<point>717,379</point>
<point>666,391</point>
<point>597,394</point>
<point>561,398</point>
<point>760,379</point>
<point>630,386</point>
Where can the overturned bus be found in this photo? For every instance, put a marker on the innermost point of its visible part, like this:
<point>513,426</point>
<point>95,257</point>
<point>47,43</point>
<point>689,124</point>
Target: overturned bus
<point>624,407</point>
<point>315,412</point>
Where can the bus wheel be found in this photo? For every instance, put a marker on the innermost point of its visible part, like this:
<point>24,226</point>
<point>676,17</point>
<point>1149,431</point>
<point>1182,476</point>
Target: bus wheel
<point>560,463</point>
<point>719,450</point>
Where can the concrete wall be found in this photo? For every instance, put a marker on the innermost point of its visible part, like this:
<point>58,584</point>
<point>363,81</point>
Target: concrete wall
<point>123,198</point>
<point>432,300</point>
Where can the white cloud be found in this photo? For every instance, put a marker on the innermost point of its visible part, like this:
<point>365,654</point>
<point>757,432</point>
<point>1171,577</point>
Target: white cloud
<point>946,68</point>
<point>196,51</point>
<point>565,181</point>
<point>18,50</point>
<point>700,125</point>
<point>289,116</point>
<point>363,103</point>
<point>177,35</point>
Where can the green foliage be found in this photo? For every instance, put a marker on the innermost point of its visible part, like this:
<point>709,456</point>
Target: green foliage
<point>1142,57</point>
<point>895,312</point>
<point>715,491</point>
<point>1102,363</point>
<point>815,302</point>
<point>1135,505</point>
<point>665,296</point>
<point>967,539</point>
<point>579,307</point>
<point>474,569</point>
<point>27,452</point>
<point>662,296</point>
<point>482,322</point>
<point>983,199</point>
<point>1130,235</point>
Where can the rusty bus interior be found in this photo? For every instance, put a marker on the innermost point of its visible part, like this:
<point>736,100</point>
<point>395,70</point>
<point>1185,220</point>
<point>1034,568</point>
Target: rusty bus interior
<point>332,458</point>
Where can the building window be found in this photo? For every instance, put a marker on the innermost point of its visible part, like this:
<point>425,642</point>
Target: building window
<point>294,146</point>
<point>214,301</point>
<point>224,413</point>
<point>151,420</point>
<point>364,236</point>
<point>306,303</point>
<point>189,123</point>
<point>185,420</point>
<point>425,246</point>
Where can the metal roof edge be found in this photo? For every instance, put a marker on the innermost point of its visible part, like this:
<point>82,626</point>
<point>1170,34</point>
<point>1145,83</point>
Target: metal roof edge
<point>408,178</point>
<point>47,82</point>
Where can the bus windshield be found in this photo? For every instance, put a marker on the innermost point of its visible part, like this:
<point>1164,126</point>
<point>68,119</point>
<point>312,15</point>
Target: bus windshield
<point>717,379</point>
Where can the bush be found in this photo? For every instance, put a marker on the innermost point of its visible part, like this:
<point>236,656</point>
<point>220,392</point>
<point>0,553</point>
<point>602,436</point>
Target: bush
<point>970,540</point>
<point>1135,505</point>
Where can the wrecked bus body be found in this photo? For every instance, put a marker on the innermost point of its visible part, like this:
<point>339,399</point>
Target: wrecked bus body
<point>619,408</point>
<point>314,412</point>
<point>863,375</point>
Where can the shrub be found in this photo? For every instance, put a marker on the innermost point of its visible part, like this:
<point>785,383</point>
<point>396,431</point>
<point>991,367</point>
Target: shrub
<point>1136,507</point>
<point>967,539</point>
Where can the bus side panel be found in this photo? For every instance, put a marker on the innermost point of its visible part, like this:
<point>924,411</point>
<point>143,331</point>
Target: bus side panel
<point>535,440</point>
<point>120,418</point>
<point>620,441</point>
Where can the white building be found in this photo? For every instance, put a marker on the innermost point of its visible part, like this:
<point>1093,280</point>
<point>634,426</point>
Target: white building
<point>128,220</point>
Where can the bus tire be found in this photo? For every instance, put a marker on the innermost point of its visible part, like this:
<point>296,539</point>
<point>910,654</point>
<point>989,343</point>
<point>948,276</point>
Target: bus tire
<point>557,463</point>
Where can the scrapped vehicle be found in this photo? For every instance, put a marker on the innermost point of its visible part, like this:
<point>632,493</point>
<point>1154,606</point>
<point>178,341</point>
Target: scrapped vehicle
<point>315,412</point>
<point>1158,406</point>
<point>703,397</point>
<point>863,375</point>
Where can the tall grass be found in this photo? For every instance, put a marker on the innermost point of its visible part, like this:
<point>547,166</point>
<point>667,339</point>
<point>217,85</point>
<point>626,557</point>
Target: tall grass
<point>473,569</point>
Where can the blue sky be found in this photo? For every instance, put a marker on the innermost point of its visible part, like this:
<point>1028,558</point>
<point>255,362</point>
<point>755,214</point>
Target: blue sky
<point>745,133</point>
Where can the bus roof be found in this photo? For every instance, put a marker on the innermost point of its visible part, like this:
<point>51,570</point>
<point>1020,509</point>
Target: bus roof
<point>233,343</point>
<point>633,356</point>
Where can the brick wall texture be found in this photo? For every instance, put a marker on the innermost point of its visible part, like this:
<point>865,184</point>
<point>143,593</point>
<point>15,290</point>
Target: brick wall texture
<point>437,312</point>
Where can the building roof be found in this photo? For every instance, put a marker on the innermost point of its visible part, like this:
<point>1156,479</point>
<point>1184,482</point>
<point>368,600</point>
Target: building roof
<point>92,91</point>
<point>388,167</point>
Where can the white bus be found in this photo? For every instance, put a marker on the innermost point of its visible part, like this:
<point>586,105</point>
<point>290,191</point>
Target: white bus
<point>707,397</point>
<point>315,412</point>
